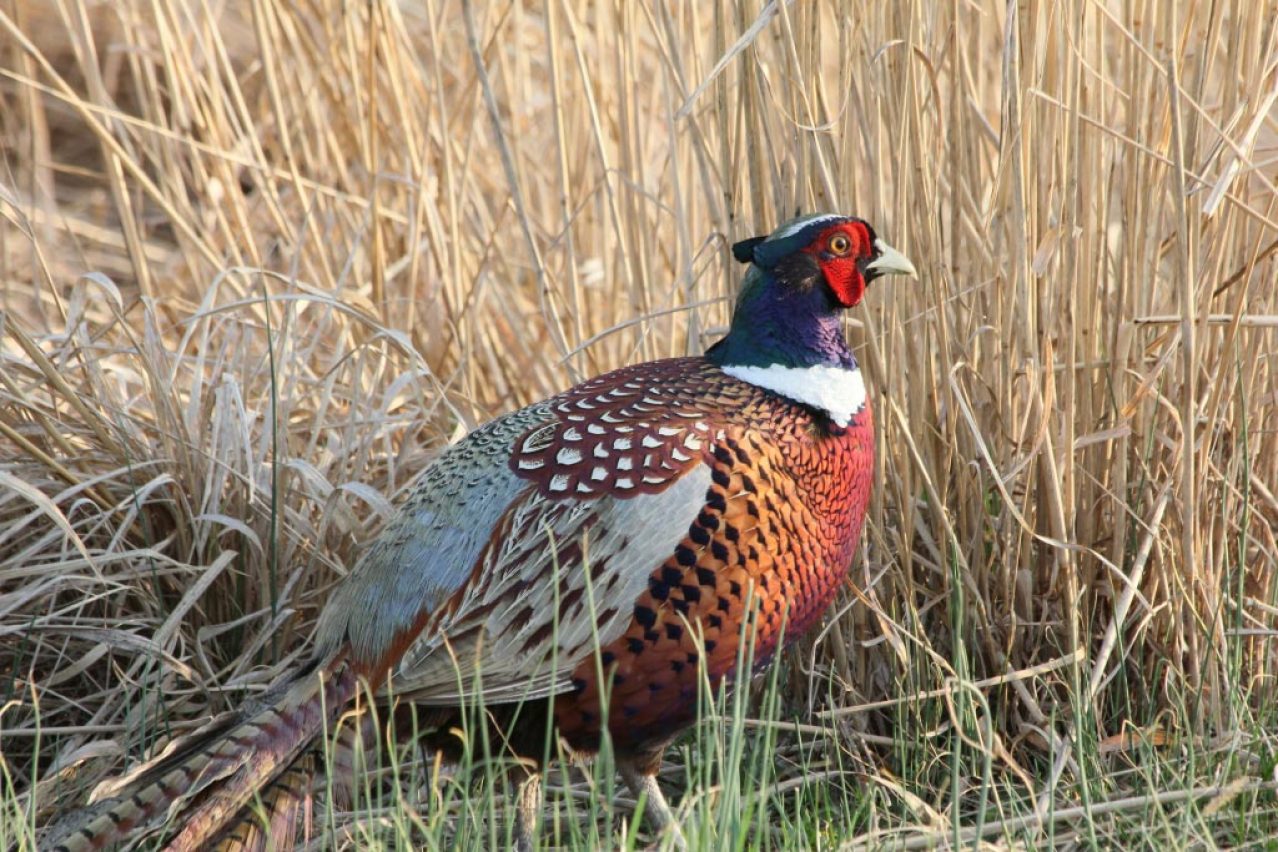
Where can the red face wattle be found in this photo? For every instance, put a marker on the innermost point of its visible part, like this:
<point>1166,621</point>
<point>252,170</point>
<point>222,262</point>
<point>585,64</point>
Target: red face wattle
<point>841,251</point>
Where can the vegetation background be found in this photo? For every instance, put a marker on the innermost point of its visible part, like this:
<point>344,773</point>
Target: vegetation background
<point>260,260</point>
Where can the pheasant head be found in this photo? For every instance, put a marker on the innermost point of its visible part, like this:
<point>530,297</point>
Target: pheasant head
<point>785,333</point>
<point>840,252</point>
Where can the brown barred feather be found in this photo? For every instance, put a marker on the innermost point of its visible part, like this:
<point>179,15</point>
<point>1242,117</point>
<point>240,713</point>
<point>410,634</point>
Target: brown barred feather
<point>203,781</point>
<point>280,818</point>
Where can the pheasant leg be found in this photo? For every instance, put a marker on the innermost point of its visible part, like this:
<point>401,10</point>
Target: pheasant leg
<point>657,810</point>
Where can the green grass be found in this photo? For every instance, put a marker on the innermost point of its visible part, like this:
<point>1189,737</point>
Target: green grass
<point>759,772</point>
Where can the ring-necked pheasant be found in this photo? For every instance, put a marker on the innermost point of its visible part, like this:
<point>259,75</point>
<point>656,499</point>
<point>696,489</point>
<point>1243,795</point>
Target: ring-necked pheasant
<point>619,527</point>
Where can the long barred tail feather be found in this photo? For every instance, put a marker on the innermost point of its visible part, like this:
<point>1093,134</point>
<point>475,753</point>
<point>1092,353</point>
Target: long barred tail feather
<point>283,819</point>
<point>202,781</point>
<point>282,816</point>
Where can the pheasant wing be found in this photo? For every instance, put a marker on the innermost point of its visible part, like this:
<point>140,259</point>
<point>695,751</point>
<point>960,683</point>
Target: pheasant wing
<point>527,544</point>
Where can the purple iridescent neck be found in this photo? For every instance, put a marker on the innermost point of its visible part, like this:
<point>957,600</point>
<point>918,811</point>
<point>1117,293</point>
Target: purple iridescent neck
<point>783,324</point>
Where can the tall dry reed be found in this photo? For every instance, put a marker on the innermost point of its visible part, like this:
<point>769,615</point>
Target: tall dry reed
<point>259,262</point>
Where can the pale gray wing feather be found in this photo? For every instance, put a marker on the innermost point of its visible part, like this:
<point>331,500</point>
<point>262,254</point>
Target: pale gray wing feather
<point>539,610</point>
<point>509,633</point>
<point>430,547</point>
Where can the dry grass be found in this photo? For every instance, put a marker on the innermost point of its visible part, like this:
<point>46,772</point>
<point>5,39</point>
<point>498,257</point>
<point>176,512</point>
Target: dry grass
<point>259,261</point>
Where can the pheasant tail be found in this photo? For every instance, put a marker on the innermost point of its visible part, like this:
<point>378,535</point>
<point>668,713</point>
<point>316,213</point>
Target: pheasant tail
<point>284,817</point>
<point>208,778</point>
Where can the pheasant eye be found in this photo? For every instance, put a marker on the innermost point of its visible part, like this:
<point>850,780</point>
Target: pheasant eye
<point>840,244</point>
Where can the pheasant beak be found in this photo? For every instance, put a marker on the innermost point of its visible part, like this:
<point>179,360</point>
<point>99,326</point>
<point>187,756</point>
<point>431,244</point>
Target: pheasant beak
<point>889,261</point>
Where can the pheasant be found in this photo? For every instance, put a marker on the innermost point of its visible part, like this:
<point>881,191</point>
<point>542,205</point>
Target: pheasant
<point>583,559</point>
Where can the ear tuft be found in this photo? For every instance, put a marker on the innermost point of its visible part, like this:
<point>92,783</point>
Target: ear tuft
<point>744,250</point>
